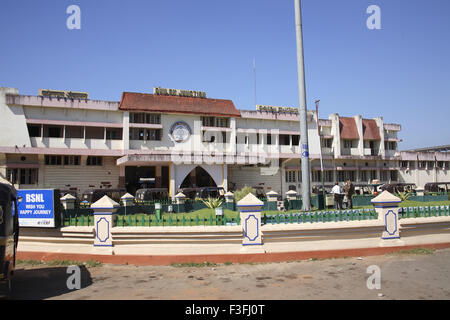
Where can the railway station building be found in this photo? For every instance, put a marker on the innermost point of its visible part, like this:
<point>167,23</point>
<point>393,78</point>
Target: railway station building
<point>64,140</point>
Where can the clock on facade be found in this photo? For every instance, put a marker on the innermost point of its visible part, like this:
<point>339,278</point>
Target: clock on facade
<point>180,131</point>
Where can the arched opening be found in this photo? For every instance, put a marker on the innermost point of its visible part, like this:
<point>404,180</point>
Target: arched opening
<point>198,178</point>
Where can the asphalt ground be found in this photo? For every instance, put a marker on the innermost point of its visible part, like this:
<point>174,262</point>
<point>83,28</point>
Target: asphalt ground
<point>412,274</point>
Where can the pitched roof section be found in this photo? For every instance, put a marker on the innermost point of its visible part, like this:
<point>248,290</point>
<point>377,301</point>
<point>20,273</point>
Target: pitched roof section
<point>370,130</point>
<point>347,128</point>
<point>175,104</point>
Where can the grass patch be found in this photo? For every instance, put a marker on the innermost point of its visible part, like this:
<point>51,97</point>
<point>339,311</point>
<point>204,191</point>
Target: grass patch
<point>422,251</point>
<point>59,263</point>
<point>228,263</point>
<point>193,264</point>
<point>30,262</point>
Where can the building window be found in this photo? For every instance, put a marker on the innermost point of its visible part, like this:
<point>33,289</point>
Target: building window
<point>113,134</point>
<point>75,132</point>
<point>34,130</point>
<point>269,139</point>
<point>430,165</point>
<point>295,140</point>
<point>148,118</point>
<point>22,176</point>
<point>326,143</point>
<point>51,160</point>
<point>94,161</point>
<point>284,139</point>
<point>53,131</point>
<point>404,164</point>
<point>384,175</point>
<point>390,145</point>
<point>145,134</point>
<point>363,175</point>
<point>291,176</point>
<point>95,133</point>
<point>394,175</point>
<point>422,164</point>
<point>327,176</point>
<point>72,160</point>
<point>346,175</point>
<point>215,122</point>
<point>348,144</point>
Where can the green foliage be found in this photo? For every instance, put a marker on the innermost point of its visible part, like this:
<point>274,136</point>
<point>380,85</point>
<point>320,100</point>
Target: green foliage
<point>240,194</point>
<point>404,195</point>
<point>212,203</point>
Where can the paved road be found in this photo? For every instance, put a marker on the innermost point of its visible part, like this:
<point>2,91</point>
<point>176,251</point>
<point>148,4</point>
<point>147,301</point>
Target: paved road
<point>404,276</point>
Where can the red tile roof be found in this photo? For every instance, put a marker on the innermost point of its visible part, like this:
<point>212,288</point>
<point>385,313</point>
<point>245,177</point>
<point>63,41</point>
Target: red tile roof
<point>370,130</point>
<point>347,128</point>
<point>175,104</point>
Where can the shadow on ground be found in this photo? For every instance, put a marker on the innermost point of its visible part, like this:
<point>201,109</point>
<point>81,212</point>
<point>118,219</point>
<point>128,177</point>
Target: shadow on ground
<point>44,283</point>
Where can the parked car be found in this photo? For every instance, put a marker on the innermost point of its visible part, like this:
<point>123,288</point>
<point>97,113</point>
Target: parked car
<point>9,232</point>
<point>151,194</point>
<point>92,195</point>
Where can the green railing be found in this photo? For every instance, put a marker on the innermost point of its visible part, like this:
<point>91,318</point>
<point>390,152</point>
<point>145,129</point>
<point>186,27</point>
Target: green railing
<point>174,220</point>
<point>320,216</point>
<point>136,217</point>
<point>419,212</point>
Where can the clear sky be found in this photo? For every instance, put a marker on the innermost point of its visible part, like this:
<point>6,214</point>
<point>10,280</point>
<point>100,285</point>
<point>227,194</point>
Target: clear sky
<point>401,72</point>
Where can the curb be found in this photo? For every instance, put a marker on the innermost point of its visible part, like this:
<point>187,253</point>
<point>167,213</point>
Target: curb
<point>149,260</point>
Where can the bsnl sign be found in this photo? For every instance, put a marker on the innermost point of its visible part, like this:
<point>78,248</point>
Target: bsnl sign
<point>37,208</point>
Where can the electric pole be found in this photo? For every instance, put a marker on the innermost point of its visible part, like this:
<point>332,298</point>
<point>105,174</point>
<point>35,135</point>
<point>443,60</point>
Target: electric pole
<point>302,112</point>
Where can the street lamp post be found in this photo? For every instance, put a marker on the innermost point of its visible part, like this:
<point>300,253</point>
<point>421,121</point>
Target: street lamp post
<point>306,189</point>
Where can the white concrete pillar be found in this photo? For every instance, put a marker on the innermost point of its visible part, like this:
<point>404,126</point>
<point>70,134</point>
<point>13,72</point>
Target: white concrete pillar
<point>104,211</point>
<point>68,201</point>
<point>250,214</point>
<point>172,183</point>
<point>386,205</point>
<point>127,200</point>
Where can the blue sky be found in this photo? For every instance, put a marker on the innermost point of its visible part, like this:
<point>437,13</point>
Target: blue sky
<point>401,72</point>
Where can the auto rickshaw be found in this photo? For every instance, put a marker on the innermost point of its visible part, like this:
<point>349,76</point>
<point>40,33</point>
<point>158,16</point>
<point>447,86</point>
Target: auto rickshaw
<point>9,233</point>
<point>151,194</point>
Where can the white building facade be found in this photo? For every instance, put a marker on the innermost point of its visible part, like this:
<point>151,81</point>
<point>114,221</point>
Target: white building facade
<point>184,140</point>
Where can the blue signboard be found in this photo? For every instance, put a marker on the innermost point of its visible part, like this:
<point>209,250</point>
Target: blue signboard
<point>37,208</point>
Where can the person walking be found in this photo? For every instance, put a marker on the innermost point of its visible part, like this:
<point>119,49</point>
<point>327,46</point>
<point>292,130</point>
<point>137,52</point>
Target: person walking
<point>349,191</point>
<point>337,192</point>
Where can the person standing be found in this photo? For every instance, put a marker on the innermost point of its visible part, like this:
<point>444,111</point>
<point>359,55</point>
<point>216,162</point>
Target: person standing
<point>337,192</point>
<point>349,191</point>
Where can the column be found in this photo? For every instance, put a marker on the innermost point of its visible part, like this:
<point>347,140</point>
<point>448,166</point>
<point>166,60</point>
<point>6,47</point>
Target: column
<point>250,214</point>
<point>229,201</point>
<point>127,200</point>
<point>272,200</point>
<point>386,205</point>
<point>104,211</point>
<point>172,181</point>
<point>179,203</point>
<point>68,201</point>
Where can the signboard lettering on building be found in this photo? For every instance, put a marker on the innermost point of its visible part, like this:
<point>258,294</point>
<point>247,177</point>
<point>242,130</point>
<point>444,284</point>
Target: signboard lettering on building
<point>260,107</point>
<point>37,208</point>
<point>178,92</point>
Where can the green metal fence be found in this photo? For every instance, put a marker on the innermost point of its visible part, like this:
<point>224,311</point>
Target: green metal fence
<point>320,216</point>
<point>144,216</point>
<point>419,212</point>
